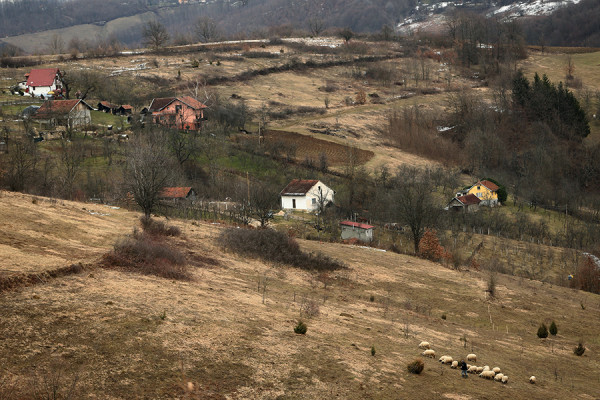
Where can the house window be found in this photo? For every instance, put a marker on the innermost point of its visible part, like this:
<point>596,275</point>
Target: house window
<point>314,201</point>
<point>293,203</point>
<point>178,109</point>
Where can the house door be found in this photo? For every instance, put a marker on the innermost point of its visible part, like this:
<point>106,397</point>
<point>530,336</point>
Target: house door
<point>293,203</point>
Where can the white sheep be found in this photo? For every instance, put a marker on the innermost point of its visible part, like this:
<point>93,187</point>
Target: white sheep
<point>532,380</point>
<point>486,368</point>
<point>487,374</point>
<point>498,377</point>
<point>445,360</point>
<point>454,364</point>
<point>496,369</point>
<point>428,353</point>
<point>505,379</point>
<point>468,366</point>
<point>479,370</point>
<point>473,369</point>
<point>471,357</point>
<point>424,345</point>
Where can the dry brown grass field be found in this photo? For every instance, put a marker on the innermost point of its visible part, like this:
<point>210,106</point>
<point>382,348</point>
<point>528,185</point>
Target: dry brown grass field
<point>125,335</point>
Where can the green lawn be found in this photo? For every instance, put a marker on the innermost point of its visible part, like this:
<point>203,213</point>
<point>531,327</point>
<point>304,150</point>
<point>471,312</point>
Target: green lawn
<point>102,118</point>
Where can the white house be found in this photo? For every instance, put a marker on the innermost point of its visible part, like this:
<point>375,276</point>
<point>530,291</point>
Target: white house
<point>305,194</point>
<point>42,81</point>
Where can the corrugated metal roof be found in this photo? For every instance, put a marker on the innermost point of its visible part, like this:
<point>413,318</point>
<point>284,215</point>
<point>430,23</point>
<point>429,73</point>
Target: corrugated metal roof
<point>298,187</point>
<point>357,225</point>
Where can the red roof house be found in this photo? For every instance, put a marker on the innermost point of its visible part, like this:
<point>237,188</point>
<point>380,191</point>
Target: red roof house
<point>64,112</point>
<point>177,112</point>
<point>42,81</point>
<point>178,193</point>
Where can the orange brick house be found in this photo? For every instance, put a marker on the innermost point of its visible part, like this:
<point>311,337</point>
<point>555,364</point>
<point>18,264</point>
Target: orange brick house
<point>184,112</point>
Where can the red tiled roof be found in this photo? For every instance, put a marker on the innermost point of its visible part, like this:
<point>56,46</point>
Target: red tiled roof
<point>42,77</point>
<point>127,107</point>
<point>57,107</point>
<point>469,199</point>
<point>107,104</point>
<point>192,102</point>
<point>175,192</point>
<point>299,187</point>
<point>356,225</point>
<point>490,185</point>
<point>160,103</point>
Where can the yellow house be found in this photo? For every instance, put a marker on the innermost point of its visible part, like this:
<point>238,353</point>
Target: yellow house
<point>486,191</point>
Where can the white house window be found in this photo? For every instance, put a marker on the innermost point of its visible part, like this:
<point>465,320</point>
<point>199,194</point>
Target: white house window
<point>314,201</point>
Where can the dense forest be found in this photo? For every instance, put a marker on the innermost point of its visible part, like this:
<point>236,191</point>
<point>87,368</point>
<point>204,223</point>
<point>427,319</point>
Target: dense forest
<point>576,25</point>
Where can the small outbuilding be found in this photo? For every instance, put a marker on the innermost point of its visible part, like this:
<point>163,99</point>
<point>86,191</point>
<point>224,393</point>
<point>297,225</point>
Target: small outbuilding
<point>178,193</point>
<point>357,230</point>
<point>468,203</point>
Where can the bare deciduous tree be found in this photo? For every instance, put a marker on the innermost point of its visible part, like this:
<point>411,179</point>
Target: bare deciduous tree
<point>414,201</point>
<point>148,169</point>
<point>21,162</point>
<point>155,35</point>
<point>206,29</point>
<point>71,159</point>
<point>56,45</point>
<point>316,25</point>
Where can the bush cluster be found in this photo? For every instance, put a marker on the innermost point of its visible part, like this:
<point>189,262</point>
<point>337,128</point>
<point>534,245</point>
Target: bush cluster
<point>148,255</point>
<point>580,349</point>
<point>300,328</point>
<point>274,246</point>
<point>154,227</point>
<point>416,366</point>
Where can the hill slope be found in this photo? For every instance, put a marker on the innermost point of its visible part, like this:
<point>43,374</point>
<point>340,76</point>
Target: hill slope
<point>128,335</point>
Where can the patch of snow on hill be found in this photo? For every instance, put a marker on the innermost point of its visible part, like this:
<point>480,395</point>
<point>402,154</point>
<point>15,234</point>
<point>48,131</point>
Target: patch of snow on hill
<point>537,7</point>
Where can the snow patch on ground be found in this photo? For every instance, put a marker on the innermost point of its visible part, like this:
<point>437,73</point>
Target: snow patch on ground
<point>537,7</point>
<point>430,18</point>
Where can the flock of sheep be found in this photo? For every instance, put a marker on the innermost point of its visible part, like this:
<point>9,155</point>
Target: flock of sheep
<point>484,372</point>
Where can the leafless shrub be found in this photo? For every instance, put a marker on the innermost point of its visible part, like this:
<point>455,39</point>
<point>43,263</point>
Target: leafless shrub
<point>154,227</point>
<point>309,308</point>
<point>148,255</point>
<point>277,247</point>
<point>55,382</point>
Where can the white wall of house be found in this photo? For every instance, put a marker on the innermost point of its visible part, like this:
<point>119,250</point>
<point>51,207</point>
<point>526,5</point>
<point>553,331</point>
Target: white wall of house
<point>37,91</point>
<point>310,201</point>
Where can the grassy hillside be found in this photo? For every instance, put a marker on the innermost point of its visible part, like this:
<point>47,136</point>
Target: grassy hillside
<point>125,335</point>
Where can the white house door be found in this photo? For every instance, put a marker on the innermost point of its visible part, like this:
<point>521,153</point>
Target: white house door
<point>293,203</point>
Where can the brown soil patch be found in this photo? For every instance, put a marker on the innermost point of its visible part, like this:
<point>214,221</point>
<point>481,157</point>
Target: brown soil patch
<point>309,147</point>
